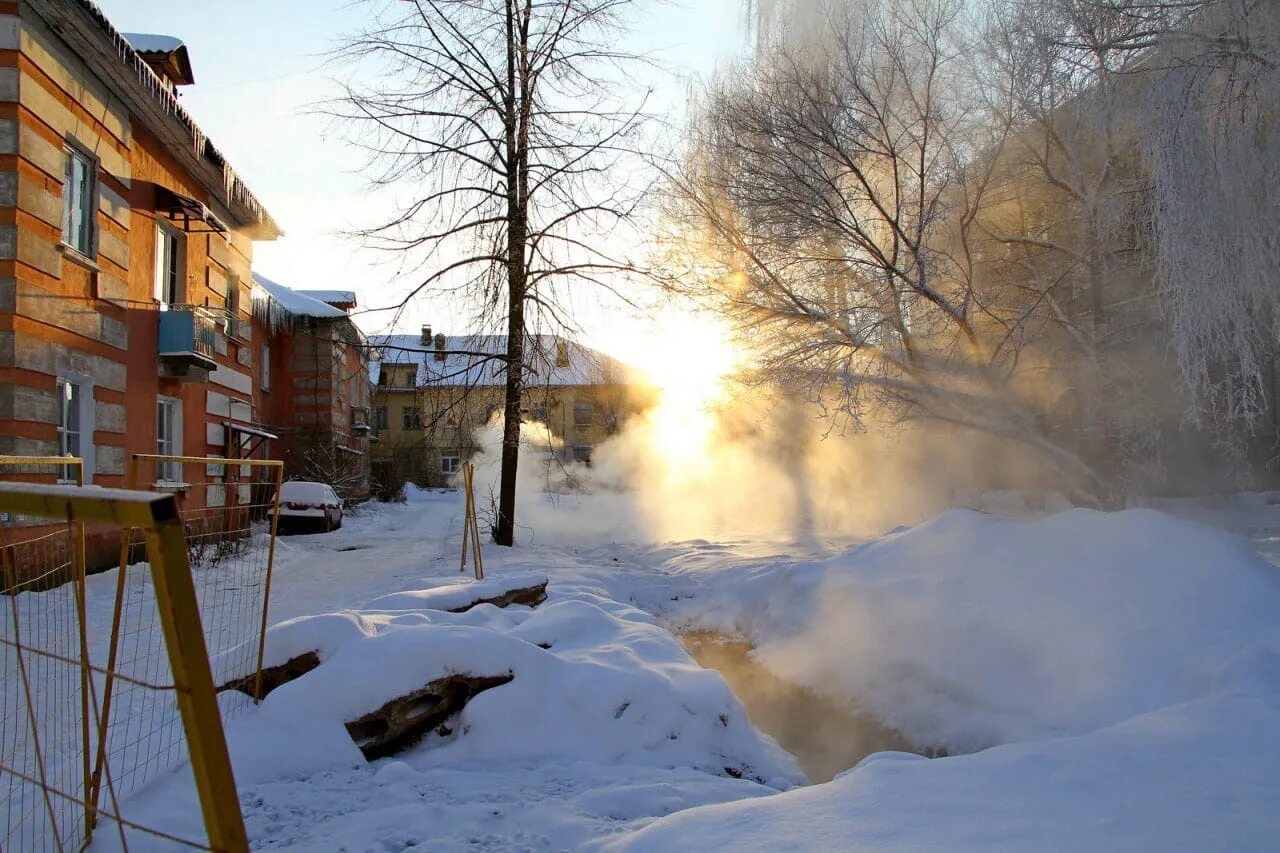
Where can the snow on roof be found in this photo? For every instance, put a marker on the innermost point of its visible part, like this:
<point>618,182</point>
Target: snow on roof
<point>153,42</point>
<point>333,297</point>
<point>469,361</point>
<point>276,304</point>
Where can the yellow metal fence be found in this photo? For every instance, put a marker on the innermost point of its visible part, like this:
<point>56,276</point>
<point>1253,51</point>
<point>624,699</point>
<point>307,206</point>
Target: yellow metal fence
<point>111,653</point>
<point>44,703</point>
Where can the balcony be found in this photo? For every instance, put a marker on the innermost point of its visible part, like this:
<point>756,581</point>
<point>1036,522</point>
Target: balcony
<point>188,341</point>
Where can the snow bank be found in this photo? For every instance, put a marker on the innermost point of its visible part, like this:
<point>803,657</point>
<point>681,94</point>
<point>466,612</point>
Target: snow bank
<point>969,631</point>
<point>1198,776</point>
<point>458,595</point>
<point>590,684</point>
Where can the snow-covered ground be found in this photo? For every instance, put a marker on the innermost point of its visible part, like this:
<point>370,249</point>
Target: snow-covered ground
<point>1099,680</point>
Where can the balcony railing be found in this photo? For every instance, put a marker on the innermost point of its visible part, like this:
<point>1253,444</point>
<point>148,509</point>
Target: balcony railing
<point>188,337</point>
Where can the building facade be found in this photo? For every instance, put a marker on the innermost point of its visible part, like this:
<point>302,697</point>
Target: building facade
<point>432,395</point>
<point>126,245</point>
<point>313,385</point>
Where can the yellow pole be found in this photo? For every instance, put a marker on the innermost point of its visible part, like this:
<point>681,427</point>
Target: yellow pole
<point>113,646</point>
<point>193,679</point>
<point>266,588</point>
<point>466,514</point>
<point>472,521</point>
<point>82,611</point>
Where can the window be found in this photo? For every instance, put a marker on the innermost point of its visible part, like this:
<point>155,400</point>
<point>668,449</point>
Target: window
<point>382,376</point>
<point>412,417</point>
<point>168,278</point>
<point>78,196</point>
<point>353,389</point>
<point>266,367</point>
<point>379,417</point>
<point>168,438</point>
<point>447,416</point>
<point>231,303</point>
<point>450,463</point>
<point>70,402</point>
<point>582,453</point>
<point>582,414</point>
<point>540,412</point>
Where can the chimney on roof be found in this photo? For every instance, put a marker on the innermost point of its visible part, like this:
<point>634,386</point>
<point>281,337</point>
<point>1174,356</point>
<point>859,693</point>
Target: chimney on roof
<point>439,346</point>
<point>562,353</point>
<point>425,340</point>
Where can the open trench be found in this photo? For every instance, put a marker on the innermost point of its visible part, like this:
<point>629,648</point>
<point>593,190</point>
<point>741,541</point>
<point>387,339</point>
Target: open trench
<point>825,735</point>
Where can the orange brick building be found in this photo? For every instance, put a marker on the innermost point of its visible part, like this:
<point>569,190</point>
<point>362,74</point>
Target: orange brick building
<point>126,243</point>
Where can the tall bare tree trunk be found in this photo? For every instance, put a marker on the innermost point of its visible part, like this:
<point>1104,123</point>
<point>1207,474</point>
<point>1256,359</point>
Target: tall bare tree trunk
<point>517,143</point>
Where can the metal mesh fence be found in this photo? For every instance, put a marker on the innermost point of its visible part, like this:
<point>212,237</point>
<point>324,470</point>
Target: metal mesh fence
<point>42,700</point>
<point>227,508</point>
<point>89,707</point>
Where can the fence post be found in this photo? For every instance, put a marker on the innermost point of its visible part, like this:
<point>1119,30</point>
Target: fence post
<point>266,591</point>
<point>113,647</point>
<point>193,678</point>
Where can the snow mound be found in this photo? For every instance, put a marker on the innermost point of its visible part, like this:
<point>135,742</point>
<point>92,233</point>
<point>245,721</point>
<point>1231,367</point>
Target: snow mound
<point>968,631</point>
<point>589,685</point>
<point>459,595</point>
<point>1197,776</point>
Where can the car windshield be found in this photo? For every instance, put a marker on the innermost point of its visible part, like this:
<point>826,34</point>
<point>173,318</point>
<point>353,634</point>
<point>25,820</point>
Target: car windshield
<point>301,492</point>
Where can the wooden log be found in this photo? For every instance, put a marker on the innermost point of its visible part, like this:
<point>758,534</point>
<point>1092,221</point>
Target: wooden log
<point>274,676</point>
<point>529,595</point>
<point>405,720</point>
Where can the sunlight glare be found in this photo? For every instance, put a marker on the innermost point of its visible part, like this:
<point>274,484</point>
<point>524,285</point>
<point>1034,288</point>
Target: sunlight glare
<point>693,356</point>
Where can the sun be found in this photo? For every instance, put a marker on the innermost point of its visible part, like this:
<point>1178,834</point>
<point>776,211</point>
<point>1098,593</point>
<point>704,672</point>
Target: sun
<point>687,356</point>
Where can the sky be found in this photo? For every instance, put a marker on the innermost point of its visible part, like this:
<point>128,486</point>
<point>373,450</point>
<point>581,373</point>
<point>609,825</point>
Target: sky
<point>260,65</point>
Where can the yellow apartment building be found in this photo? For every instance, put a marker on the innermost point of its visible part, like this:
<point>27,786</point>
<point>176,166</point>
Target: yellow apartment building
<point>431,394</point>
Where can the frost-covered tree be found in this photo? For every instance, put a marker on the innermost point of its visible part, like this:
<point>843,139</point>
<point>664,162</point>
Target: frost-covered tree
<point>1211,139</point>
<point>835,180</point>
<point>1054,220</point>
<point>1150,128</point>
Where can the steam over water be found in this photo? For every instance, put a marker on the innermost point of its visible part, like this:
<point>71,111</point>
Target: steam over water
<point>824,735</point>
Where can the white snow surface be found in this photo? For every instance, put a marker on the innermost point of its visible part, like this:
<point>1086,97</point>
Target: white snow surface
<point>330,296</point>
<point>1113,678</point>
<point>152,42</point>
<point>471,361</point>
<point>293,301</point>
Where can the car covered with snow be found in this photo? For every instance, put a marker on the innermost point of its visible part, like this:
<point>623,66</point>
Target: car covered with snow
<point>307,505</point>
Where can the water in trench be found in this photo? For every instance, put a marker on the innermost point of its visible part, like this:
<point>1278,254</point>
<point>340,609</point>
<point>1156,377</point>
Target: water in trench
<point>826,736</point>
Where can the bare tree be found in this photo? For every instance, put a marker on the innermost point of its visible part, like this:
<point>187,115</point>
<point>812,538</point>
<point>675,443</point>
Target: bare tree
<point>1052,221</point>
<point>502,120</point>
<point>1144,140</point>
<point>836,182</point>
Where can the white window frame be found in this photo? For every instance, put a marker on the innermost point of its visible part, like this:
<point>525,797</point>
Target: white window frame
<point>84,203</point>
<point>169,473</point>
<point>265,367</point>
<point>450,463</point>
<point>84,434</point>
<point>168,262</point>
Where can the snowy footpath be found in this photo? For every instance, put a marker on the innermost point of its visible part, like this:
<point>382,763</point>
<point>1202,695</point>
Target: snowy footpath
<point>1094,681</point>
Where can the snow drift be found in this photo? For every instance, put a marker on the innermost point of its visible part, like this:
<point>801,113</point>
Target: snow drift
<point>591,681</point>
<point>969,631</point>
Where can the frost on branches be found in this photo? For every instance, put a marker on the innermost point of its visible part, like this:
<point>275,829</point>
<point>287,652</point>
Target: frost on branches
<point>1210,138</point>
